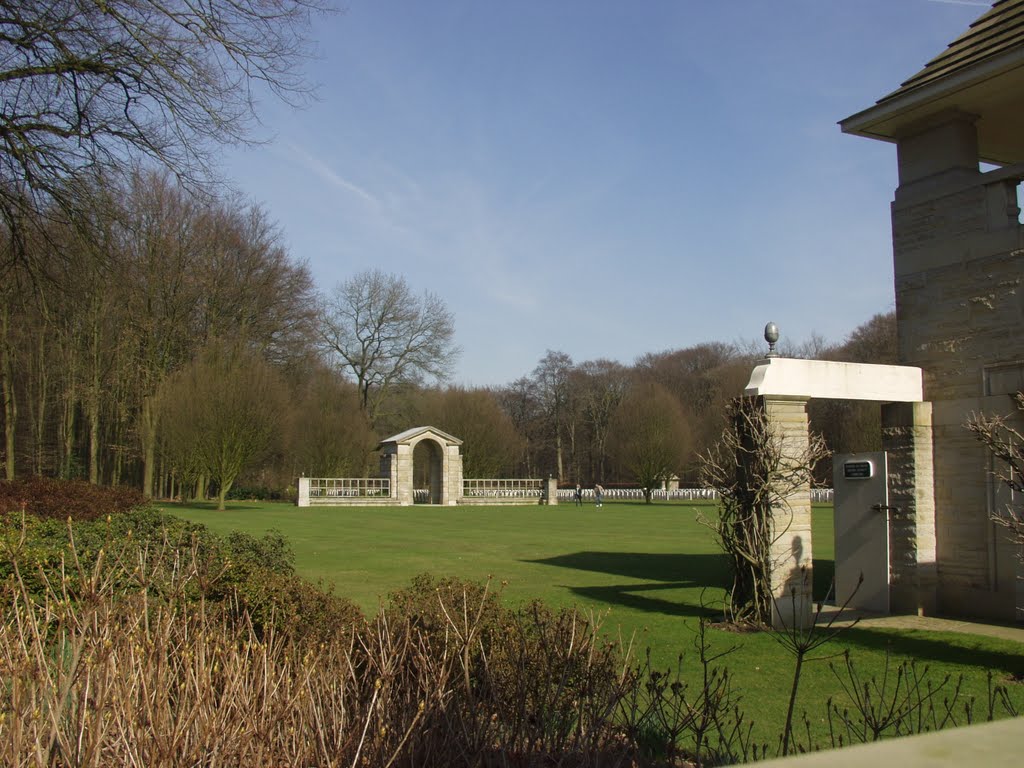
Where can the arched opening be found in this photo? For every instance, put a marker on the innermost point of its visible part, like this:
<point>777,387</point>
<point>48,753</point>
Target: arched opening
<point>426,472</point>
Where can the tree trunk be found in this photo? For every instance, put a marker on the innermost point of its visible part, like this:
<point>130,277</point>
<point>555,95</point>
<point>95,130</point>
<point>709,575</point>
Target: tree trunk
<point>10,403</point>
<point>147,422</point>
<point>115,477</point>
<point>200,489</point>
<point>94,410</point>
<point>67,429</point>
<point>574,457</point>
<point>94,441</point>
<point>39,422</point>
<point>225,488</point>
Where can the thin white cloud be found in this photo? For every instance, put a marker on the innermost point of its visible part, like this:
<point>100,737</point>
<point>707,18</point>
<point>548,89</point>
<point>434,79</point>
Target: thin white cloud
<point>976,3</point>
<point>329,175</point>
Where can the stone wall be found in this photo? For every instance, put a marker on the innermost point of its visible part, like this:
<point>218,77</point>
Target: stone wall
<point>959,267</point>
<point>907,439</point>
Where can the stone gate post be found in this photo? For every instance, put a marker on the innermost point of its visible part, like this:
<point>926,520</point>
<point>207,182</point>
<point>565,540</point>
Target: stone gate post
<point>791,547</point>
<point>907,439</point>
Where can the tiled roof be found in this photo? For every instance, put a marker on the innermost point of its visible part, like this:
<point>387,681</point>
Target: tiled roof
<point>409,434</point>
<point>998,30</point>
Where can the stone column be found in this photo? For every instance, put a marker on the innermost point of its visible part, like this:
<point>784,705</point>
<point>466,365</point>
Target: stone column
<point>551,491</point>
<point>791,551</point>
<point>401,473</point>
<point>907,439</point>
<point>452,475</point>
<point>303,499</point>
<point>389,469</point>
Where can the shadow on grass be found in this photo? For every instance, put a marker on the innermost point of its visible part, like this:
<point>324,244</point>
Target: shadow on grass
<point>938,647</point>
<point>661,571</point>
<point>668,571</point>
<point>684,570</point>
<point>635,596</point>
<point>211,506</point>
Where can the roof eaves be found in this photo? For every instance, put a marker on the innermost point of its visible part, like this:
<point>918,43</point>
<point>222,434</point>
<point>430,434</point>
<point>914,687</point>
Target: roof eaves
<point>862,123</point>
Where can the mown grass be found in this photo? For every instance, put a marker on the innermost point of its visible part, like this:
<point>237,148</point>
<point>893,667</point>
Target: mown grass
<point>653,571</point>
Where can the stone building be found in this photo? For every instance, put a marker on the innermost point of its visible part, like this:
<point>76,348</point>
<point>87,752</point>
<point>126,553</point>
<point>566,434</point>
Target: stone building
<point>958,254</point>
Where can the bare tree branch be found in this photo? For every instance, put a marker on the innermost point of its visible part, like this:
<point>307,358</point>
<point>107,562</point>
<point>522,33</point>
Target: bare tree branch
<point>1006,445</point>
<point>95,86</point>
<point>384,335</point>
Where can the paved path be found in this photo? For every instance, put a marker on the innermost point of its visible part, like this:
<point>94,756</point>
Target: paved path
<point>929,623</point>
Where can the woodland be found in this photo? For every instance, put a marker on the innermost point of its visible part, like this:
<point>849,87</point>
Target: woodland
<point>169,342</point>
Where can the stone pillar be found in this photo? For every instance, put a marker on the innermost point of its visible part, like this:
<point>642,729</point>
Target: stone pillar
<point>452,490</point>
<point>389,469</point>
<point>303,498</point>
<point>943,150</point>
<point>551,491</point>
<point>791,551</point>
<point>907,440</point>
<point>401,475</point>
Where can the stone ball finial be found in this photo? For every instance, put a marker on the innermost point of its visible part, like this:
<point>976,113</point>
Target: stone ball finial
<point>771,335</point>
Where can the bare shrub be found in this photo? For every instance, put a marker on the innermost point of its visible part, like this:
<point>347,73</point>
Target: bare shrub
<point>1006,445</point>
<point>115,661</point>
<point>904,701</point>
<point>754,475</point>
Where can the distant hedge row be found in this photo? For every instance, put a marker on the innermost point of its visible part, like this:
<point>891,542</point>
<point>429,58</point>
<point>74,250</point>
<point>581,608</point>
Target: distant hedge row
<point>47,498</point>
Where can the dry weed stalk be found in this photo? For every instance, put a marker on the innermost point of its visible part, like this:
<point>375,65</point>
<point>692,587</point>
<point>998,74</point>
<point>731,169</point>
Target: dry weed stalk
<point>124,664</point>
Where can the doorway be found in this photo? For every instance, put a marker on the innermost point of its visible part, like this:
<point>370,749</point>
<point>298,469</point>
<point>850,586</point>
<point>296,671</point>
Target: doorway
<point>862,510</point>
<point>426,472</point>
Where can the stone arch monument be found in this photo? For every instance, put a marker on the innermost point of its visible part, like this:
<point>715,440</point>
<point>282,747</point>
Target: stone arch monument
<point>435,459</point>
<point>398,457</point>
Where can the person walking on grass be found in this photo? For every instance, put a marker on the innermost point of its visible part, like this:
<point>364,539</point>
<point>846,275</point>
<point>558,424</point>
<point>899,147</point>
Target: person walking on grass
<point>579,495</point>
<point>598,495</point>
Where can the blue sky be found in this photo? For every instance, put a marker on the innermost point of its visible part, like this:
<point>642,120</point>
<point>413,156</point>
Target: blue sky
<point>600,177</point>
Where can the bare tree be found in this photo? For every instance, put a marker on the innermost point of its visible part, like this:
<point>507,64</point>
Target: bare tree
<point>384,335</point>
<point>651,436</point>
<point>704,378</point>
<point>603,384</point>
<point>520,401</point>
<point>249,283</point>
<point>754,476</point>
<point>491,443</point>
<point>130,290</point>
<point>328,435</point>
<point>552,385</point>
<point>92,87</point>
<point>1006,445</point>
<point>221,413</point>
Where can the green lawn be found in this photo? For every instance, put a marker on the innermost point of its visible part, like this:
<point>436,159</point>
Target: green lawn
<point>650,570</point>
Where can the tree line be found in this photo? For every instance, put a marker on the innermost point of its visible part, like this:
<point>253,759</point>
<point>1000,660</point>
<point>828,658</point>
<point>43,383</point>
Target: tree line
<point>169,341</point>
